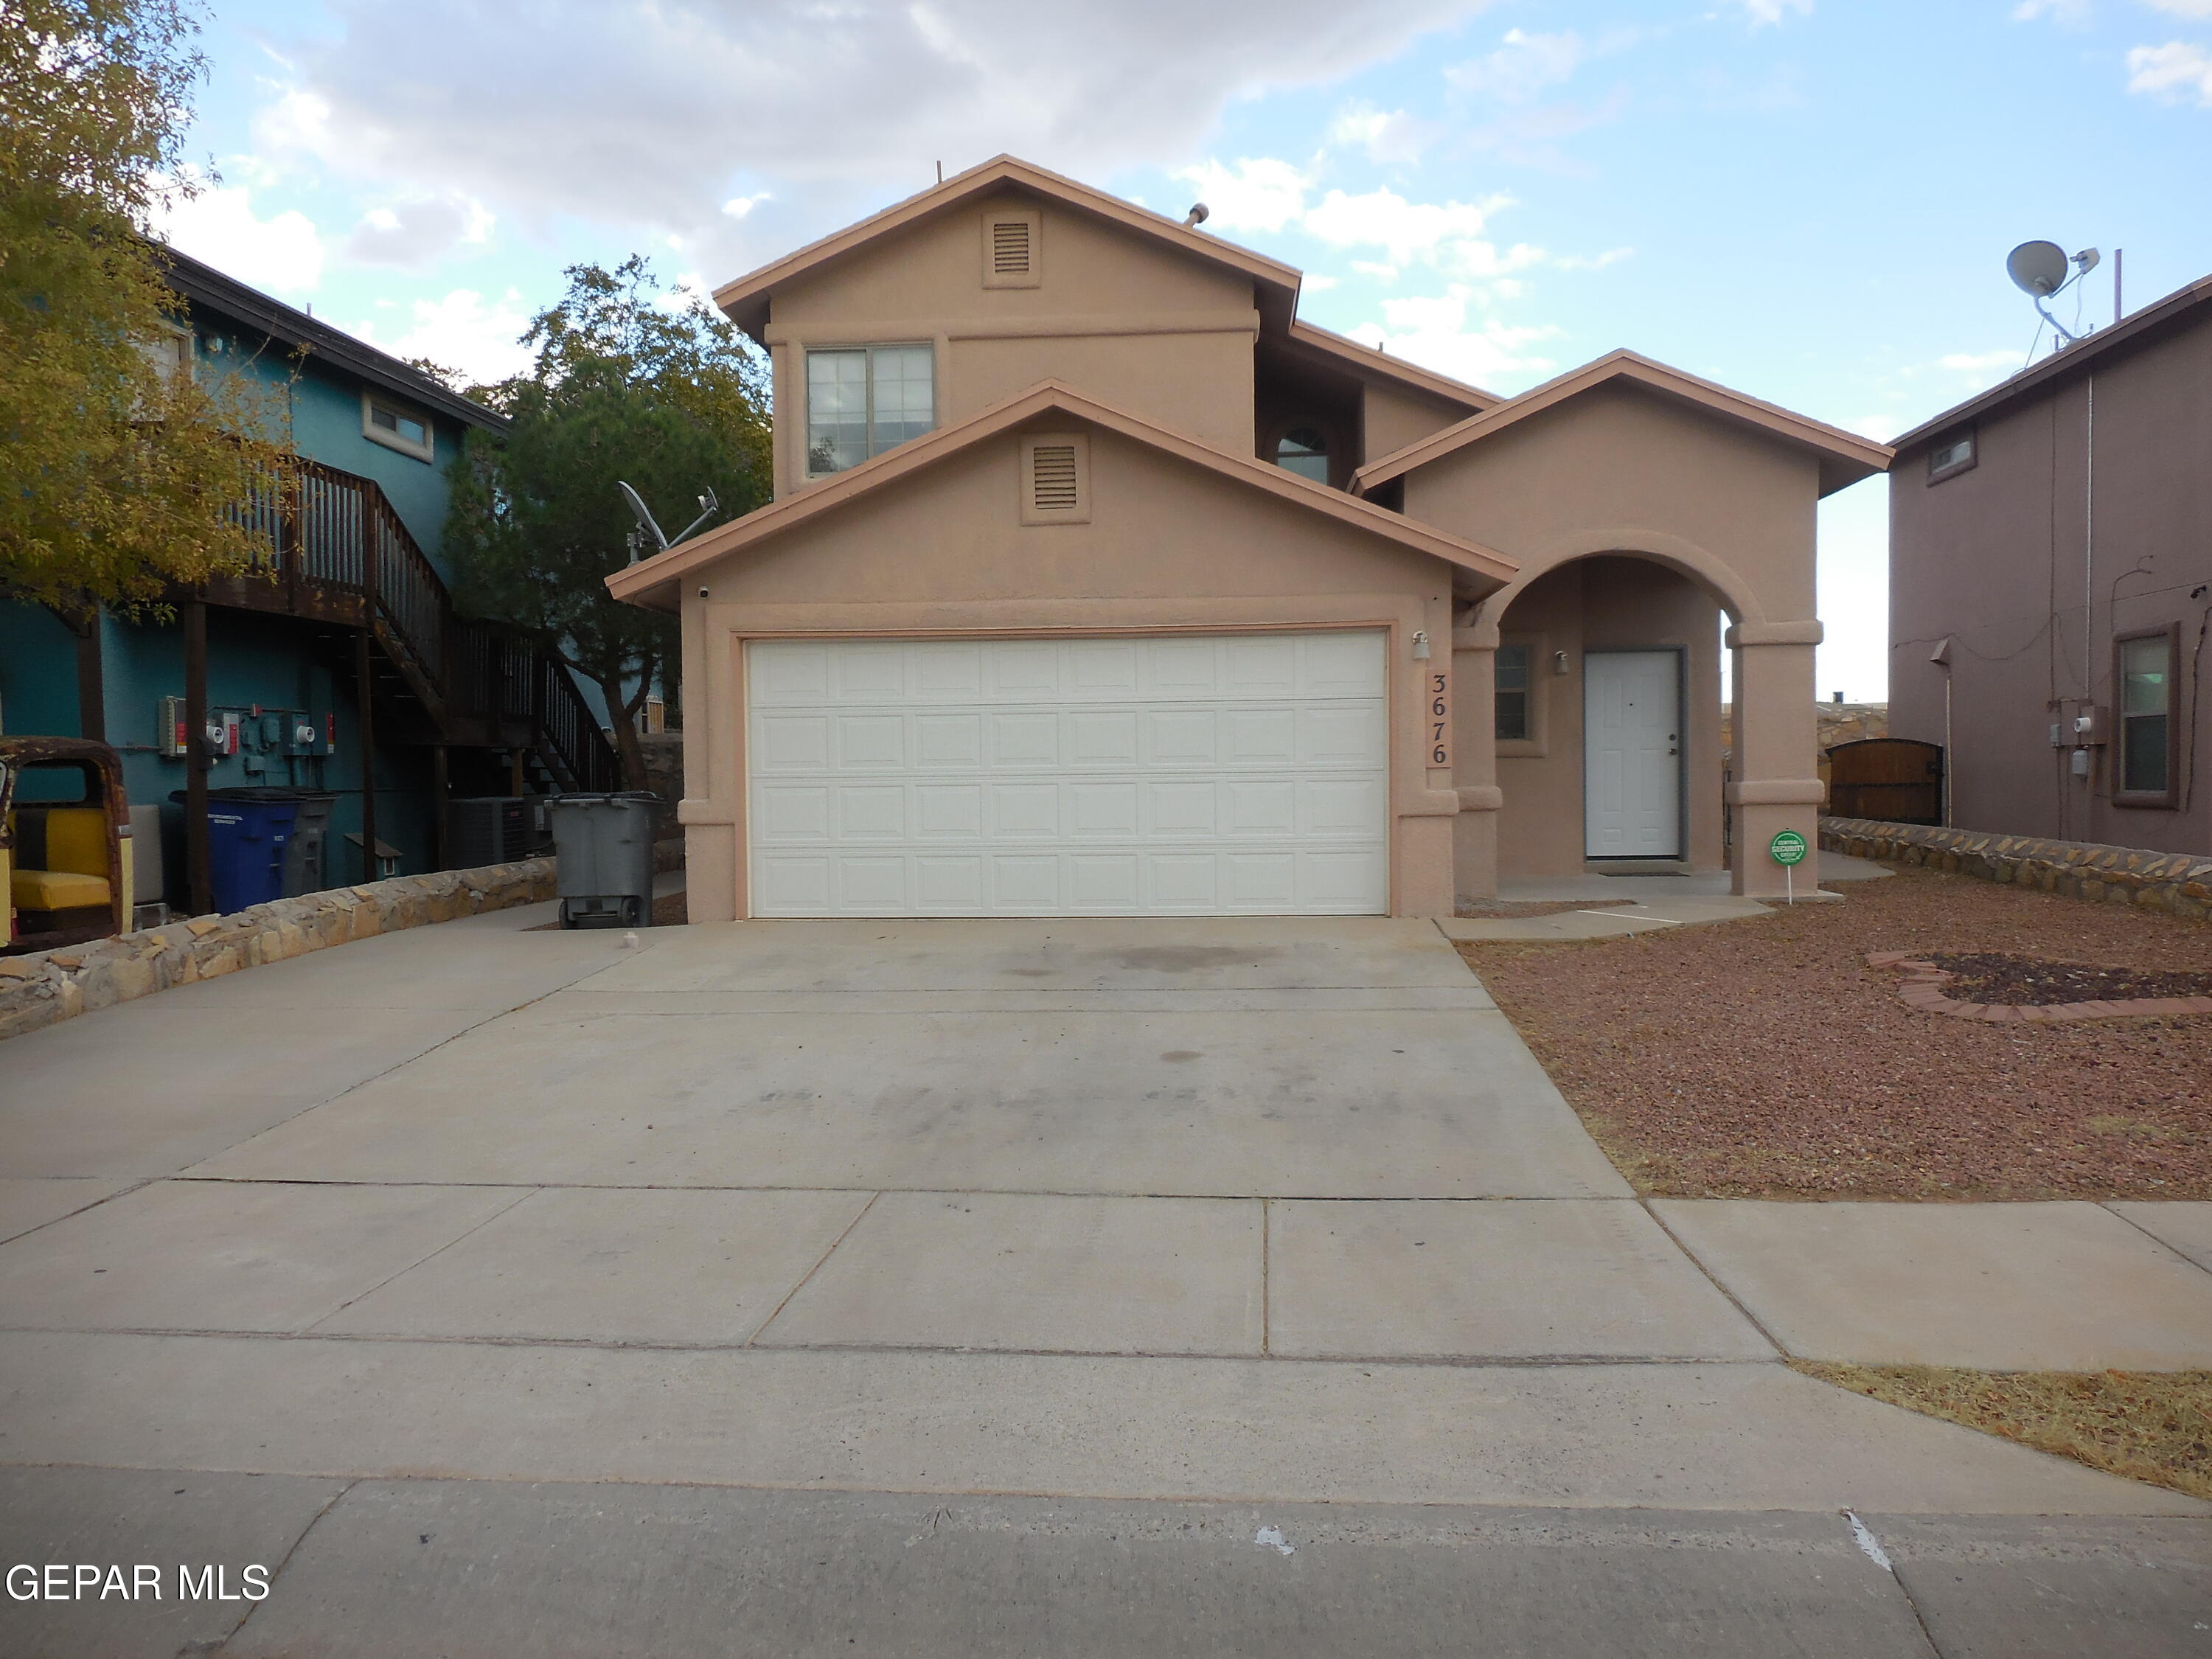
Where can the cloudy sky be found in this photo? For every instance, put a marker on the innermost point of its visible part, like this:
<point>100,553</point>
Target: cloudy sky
<point>1809,200</point>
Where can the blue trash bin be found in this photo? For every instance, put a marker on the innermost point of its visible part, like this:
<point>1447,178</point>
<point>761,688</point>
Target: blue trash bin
<point>248,830</point>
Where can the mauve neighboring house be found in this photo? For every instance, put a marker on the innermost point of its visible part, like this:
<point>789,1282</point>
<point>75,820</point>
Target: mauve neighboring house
<point>1097,583</point>
<point>2051,583</point>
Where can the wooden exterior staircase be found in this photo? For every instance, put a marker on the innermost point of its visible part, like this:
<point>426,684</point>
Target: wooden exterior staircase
<point>337,553</point>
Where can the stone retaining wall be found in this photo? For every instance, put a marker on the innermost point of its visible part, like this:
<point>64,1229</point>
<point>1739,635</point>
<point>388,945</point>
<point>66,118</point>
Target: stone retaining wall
<point>49,986</point>
<point>2180,883</point>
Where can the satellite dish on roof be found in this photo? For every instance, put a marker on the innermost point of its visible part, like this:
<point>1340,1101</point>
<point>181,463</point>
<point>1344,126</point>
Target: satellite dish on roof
<point>2038,268</point>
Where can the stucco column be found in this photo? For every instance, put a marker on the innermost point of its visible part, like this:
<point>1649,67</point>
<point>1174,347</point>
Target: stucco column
<point>1474,754</point>
<point>1776,785</point>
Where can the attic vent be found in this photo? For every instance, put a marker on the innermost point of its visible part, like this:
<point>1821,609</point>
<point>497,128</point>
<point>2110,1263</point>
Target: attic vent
<point>1056,478</point>
<point>1013,247</point>
<point>1009,247</point>
<point>1052,477</point>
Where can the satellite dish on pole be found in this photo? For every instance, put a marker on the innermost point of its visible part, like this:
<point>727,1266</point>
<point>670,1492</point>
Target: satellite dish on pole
<point>2040,270</point>
<point>648,531</point>
<point>2037,268</point>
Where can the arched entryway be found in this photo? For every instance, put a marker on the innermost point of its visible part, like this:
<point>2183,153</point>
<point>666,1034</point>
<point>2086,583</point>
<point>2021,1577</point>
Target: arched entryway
<point>1591,720</point>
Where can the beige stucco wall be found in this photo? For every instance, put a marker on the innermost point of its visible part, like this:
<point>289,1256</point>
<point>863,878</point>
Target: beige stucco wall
<point>1170,544</point>
<point>1395,415</point>
<point>1620,470</point>
<point>1121,317</point>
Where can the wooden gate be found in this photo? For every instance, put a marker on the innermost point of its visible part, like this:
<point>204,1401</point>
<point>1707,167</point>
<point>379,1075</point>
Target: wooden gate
<point>1891,779</point>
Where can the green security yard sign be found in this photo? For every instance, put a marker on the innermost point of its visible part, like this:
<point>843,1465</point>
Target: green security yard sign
<point>1788,850</point>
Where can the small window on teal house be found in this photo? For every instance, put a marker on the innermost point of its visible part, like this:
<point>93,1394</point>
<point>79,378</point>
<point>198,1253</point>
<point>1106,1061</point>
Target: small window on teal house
<point>1304,451</point>
<point>396,427</point>
<point>1512,694</point>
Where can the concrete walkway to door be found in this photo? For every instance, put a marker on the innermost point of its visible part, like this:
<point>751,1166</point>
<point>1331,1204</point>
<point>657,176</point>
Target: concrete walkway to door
<point>1150,1214</point>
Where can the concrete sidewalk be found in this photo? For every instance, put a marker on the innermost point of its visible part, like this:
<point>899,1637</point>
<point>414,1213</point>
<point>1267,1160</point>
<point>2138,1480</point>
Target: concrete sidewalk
<point>962,1287</point>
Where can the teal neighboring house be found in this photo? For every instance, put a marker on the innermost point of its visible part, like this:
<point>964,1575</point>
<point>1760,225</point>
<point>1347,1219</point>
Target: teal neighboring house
<point>338,663</point>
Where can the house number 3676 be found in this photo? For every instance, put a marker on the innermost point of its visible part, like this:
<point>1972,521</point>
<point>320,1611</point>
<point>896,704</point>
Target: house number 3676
<point>1439,720</point>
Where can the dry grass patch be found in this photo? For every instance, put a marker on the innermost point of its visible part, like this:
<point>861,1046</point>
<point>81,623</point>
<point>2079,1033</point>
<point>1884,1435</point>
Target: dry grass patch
<point>2147,1426</point>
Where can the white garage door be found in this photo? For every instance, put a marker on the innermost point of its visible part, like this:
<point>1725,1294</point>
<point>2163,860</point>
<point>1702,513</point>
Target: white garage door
<point>1183,776</point>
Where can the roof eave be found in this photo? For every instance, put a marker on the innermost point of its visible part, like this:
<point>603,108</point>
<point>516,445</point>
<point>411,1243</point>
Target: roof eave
<point>2152,319</point>
<point>655,582</point>
<point>745,300</point>
<point>1845,458</point>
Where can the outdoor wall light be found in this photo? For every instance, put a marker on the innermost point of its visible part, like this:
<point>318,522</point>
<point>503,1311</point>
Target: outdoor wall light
<point>1558,662</point>
<point>1420,645</point>
<point>703,593</point>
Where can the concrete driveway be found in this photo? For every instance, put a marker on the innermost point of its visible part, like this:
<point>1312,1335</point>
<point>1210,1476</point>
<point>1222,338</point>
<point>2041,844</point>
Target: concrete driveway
<point>952,1286</point>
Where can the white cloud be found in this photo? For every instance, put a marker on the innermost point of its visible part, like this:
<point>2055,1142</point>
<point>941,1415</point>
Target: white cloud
<point>1522,68</point>
<point>1390,137</point>
<point>416,233</point>
<point>738,206</point>
<point>282,253</point>
<point>2195,10</point>
<point>1762,12</point>
<point>641,112</point>
<point>1612,256</point>
<point>2067,14</point>
<point>2175,71</point>
<point>1261,194</point>
<point>1407,230</point>
<point>1435,332</point>
<point>463,331</point>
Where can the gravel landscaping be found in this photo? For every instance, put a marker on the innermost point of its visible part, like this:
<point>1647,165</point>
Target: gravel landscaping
<point>2147,1425</point>
<point>1764,1058</point>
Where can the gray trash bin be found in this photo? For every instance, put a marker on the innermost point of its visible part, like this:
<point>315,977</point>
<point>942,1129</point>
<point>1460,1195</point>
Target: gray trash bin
<point>603,852</point>
<point>306,855</point>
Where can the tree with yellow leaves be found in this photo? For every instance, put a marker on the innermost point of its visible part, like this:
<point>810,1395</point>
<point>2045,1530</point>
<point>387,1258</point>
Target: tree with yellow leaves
<point>121,471</point>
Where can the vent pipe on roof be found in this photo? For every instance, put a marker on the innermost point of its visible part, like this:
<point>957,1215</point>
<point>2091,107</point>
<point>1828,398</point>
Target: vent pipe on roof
<point>1199,214</point>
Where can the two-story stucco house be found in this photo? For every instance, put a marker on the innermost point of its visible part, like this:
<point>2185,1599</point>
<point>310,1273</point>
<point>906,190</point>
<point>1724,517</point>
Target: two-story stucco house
<point>1097,583</point>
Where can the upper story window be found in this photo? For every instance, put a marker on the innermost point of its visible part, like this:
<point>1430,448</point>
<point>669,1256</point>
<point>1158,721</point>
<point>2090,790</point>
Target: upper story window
<point>1304,450</point>
<point>2147,756</point>
<point>1512,671</point>
<point>170,352</point>
<point>396,427</point>
<point>862,400</point>
<point>1955,455</point>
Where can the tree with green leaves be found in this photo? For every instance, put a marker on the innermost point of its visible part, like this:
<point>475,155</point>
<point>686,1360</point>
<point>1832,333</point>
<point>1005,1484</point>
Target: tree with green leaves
<point>120,467</point>
<point>630,384</point>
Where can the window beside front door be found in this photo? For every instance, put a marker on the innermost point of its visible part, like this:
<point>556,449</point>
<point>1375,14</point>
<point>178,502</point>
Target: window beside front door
<point>1512,695</point>
<point>863,400</point>
<point>2148,752</point>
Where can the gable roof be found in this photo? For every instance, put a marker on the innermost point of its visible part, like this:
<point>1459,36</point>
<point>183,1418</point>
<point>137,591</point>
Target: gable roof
<point>210,289</point>
<point>745,301</point>
<point>2144,328</point>
<point>654,582</point>
<point>1370,363</point>
<point>1845,458</point>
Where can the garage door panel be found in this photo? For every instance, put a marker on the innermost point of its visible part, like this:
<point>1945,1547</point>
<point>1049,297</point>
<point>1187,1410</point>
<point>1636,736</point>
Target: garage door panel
<point>1024,740</point>
<point>1104,809</point>
<point>1103,738</point>
<point>872,742</point>
<point>1027,810</point>
<point>1180,810</point>
<point>1181,737</point>
<point>1184,775</point>
<point>792,743</point>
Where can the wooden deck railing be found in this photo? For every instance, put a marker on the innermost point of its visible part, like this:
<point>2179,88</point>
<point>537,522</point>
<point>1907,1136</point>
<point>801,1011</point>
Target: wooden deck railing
<point>338,550</point>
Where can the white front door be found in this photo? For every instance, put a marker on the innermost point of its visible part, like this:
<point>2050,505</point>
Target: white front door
<point>1178,774</point>
<point>1631,755</point>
